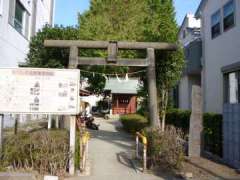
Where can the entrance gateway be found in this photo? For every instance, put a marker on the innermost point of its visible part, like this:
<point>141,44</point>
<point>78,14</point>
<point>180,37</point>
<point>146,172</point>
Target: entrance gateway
<point>113,60</point>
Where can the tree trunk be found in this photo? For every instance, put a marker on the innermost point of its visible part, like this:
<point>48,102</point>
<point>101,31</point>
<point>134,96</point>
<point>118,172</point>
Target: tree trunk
<point>163,107</point>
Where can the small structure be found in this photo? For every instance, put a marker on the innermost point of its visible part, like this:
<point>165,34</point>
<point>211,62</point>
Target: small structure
<point>123,93</point>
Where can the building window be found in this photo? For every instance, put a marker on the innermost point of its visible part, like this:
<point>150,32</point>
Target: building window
<point>19,17</point>
<point>184,34</point>
<point>216,24</point>
<point>232,87</point>
<point>228,15</point>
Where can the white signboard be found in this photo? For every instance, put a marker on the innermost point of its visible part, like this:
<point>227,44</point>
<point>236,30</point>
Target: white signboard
<point>39,91</point>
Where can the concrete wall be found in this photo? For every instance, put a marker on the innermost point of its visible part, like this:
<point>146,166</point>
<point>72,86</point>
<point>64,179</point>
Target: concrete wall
<point>218,52</point>
<point>193,55</point>
<point>185,90</point>
<point>184,98</point>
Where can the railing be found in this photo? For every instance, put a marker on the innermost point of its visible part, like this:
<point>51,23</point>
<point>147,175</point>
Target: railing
<point>141,147</point>
<point>84,139</point>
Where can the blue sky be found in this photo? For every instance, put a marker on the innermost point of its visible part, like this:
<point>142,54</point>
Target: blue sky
<point>66,10</point>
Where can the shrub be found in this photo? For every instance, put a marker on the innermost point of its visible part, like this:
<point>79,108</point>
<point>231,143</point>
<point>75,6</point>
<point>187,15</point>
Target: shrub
<point>179,118</point>
<point>212,132</point>
<point>133,122</point>
<point>212,128</point>
<point>164,148</point>
<point>44,151</point>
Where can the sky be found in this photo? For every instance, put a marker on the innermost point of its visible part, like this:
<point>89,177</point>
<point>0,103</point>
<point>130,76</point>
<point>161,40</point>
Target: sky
<point>66,10</point>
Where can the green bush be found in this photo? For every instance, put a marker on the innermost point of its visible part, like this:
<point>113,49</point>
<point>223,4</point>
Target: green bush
<point>133,122</point>
<point>213,135</point>
<point>212,128</point>
<point>179,118</point>
<point>44,151</point>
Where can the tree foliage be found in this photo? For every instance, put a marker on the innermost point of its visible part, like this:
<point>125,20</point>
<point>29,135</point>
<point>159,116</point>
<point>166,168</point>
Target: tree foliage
<point>39,56</point>
<point>111,20</point>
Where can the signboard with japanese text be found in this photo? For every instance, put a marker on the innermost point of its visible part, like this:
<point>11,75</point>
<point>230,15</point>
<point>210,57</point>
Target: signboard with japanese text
<point>39,91</point>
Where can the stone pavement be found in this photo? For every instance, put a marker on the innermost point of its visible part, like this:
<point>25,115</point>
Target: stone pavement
<point>110,150</point>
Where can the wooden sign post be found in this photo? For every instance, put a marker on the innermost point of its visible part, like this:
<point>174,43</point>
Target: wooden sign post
<point>112,48</point>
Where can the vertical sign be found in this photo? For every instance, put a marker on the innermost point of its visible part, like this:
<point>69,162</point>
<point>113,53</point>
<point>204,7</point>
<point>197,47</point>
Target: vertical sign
<point>39,91</point>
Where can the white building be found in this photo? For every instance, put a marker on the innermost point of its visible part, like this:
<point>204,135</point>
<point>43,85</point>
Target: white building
<point>19,21</point>
<point>189,37</point>
<point>221,52</point>
<point>221,69</point>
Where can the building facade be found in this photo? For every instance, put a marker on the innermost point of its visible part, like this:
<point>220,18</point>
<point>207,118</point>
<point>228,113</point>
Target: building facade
<point>19,21</point>
<point>220,75</point>
<point>189,37</point>
<point>220,35</point>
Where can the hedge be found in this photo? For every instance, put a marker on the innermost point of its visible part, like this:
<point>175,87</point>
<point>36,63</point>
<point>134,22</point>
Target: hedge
<point>133,122</point>
<point>44,151</point>
<point>212,128</point>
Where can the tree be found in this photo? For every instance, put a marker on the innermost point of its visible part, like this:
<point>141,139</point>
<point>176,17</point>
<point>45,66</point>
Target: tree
<point>161,26</point>
<point>39,56</point>
<point>111,20</point>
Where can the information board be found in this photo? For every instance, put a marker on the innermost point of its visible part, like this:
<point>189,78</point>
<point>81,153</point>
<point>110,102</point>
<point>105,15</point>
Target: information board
<point>39,91</point>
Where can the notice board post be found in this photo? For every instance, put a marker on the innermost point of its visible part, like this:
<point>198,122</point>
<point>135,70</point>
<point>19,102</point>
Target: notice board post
<point>72,65</point>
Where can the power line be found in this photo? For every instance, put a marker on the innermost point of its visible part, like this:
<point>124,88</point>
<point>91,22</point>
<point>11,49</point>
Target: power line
<point>107,74</point>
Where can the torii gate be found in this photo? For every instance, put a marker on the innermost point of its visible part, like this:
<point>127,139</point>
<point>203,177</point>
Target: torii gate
<point>112,60</point>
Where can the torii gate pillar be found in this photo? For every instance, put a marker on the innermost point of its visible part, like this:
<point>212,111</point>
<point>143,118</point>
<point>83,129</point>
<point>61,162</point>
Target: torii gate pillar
<point>152,89</point>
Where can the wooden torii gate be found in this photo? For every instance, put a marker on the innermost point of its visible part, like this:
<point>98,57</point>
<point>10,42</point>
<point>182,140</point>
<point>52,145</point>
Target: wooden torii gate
<point>113,60</point>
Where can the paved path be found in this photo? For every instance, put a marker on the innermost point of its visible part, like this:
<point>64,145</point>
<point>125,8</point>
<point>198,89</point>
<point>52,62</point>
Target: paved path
<point>109,152</point>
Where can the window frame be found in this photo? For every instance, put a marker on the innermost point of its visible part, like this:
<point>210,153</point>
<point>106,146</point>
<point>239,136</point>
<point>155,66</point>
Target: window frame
<point>16,21</point>
<point>26,18</point>
<point>220,23</point>
<point>234,15</point>
<point>227,91</point>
